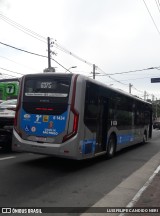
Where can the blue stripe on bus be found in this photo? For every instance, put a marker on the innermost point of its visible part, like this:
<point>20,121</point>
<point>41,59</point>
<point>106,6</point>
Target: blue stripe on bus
<point>125,138</point>
<point>88,146</point>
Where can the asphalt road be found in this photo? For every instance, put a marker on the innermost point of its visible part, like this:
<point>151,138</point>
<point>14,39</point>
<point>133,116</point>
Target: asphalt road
<point>40,181</point>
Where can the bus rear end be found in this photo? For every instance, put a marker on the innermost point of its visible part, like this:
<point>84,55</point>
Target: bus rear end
<point>46,120</point>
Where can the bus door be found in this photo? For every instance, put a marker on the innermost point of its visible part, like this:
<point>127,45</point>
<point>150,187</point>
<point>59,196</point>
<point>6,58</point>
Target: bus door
<point>101,133</point>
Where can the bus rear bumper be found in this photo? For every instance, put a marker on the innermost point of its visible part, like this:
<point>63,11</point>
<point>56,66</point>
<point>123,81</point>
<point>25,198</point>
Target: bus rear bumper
<point>64,150</point>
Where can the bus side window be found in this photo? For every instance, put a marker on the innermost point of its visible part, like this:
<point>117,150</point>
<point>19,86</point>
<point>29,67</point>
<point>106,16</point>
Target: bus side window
<point>139,114</point>
<point>91,105</point>
<point>123,111</point>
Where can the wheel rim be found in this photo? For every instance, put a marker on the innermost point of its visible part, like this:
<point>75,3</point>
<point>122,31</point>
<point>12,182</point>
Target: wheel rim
<point>111,147</point>
<point>144,138</point>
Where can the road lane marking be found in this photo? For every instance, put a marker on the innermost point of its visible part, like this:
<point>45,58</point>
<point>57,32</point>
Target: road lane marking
<point>7,158</point>
<point>140,192</point>
<point>128,188</point>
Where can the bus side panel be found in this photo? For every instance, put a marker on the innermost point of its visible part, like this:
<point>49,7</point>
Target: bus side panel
<point>86,139</point>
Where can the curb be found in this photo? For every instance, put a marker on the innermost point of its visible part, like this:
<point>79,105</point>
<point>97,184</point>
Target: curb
<point>127,193</point>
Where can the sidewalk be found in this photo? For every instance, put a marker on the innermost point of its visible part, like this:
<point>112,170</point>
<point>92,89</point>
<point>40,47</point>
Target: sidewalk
<point>141,189</point>
<point>150,198</point>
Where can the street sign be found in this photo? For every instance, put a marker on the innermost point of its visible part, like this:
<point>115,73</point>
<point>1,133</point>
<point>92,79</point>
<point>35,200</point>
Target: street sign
<point>155,80</point>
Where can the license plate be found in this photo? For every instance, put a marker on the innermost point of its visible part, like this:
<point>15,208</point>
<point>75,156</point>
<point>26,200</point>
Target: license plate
<point>41,139</point>
<point>2,113</point>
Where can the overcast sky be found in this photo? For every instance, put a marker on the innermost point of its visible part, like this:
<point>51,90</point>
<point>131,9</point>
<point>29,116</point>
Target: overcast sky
<point>116,36</point>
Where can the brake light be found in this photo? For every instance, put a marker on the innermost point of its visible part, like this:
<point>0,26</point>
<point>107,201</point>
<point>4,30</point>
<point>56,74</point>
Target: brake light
<point>75,115</point>
<point>74,130</point>
<point>75,122</point>
<point>44,109</point>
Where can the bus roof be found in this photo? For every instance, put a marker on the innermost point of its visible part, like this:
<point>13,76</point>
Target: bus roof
<point>88,79</point>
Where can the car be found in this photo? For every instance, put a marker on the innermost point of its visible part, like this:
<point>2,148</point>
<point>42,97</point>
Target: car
<point>156,125</point>
<point>7,115</point>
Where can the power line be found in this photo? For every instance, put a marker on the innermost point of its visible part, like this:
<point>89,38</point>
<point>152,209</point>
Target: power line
<point>23,50</point>
<point>126,72</point>
<point>61,65</point>
<point>10,71</point>
<point>151,17</point>
<point>18,63</point>
<point>117,80</point>
<point>51,58</point>
<point>158,6</point>
<point>39,55</point>
<point>108,75</point>
<point>22,28</point>
<point>7,75</point>
<point>41,38</point>
<point>148,77</point>
<point>105,74</point>
<point>137,89</point>
<point>61,48</point>
<point>37,36</point>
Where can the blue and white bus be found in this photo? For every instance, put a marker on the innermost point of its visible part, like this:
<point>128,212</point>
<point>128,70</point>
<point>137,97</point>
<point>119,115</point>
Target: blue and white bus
<point>73,116</point>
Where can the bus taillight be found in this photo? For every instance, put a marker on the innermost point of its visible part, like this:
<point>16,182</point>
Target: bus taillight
<point>75,122</point>
<point>75,114</point>
<point>75,128</point>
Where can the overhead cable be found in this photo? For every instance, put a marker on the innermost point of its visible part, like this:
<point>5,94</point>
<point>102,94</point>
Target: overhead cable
<point>33,54</point>
<point>132,71</point>
<point>18,63</point>
<point>39,37</point>
<point>10,71</point>
<point>58,46</point>
<point>151,17</point>
<point>158,6</point>
<point>22,50</point>
<point>22,28</point>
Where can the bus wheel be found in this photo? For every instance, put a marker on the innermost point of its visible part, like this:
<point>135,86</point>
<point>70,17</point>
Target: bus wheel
<point>111,147</point>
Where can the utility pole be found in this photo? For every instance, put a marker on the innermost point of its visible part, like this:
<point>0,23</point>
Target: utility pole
<point>145,96</point>
<point>49,53</point>
<point>130,87</point>
<point>156,109</point>
<point>49,69</point>
<point>94,71</point>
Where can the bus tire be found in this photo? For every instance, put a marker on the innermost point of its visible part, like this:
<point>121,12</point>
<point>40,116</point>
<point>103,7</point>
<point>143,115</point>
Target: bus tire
<point>111,147</point>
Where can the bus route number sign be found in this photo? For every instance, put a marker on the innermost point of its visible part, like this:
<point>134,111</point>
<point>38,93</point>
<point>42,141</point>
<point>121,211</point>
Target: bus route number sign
<point>45,85</point>
<point>10,89</point>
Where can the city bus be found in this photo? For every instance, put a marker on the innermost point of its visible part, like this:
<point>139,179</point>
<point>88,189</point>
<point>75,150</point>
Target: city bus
<point>8,90</point>
<point>73,116</point>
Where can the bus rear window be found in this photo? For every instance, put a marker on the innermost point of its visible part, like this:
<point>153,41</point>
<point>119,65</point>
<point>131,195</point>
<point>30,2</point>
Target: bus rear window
<point>51,87</point>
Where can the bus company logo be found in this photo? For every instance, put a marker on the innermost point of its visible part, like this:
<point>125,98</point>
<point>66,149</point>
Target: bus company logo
<point>45,118</point>
<point>27,116</point>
